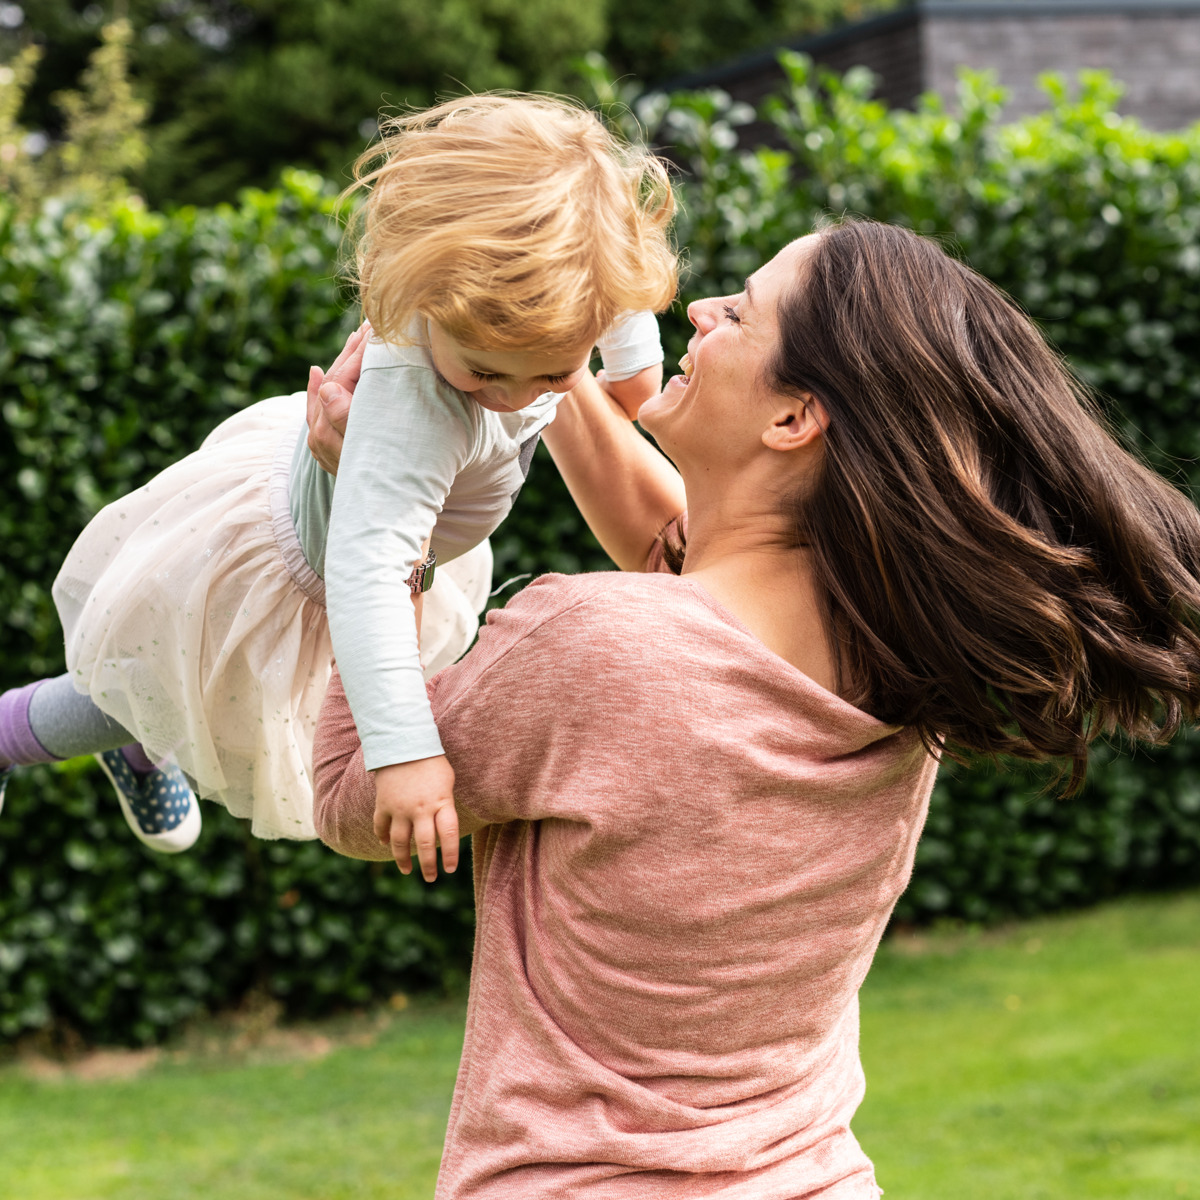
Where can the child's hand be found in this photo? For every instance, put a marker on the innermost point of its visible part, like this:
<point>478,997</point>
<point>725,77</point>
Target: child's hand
<point>631,394</point>
<point>414,801</point>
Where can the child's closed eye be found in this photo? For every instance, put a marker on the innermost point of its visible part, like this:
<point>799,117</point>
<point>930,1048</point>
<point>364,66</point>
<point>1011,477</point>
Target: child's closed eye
<point>483,377</point>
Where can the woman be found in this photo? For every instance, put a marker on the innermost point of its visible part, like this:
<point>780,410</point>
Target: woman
<point>696,798</point>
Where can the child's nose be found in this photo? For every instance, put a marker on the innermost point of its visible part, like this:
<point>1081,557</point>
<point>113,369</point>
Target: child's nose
<point>523,397</point>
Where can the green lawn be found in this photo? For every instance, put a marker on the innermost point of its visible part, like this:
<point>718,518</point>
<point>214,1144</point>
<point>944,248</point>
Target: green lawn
<point>1058,1058</point>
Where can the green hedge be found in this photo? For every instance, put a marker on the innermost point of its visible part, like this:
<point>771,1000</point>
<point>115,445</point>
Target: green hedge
<point>124,340</point>
<point>120,944</point>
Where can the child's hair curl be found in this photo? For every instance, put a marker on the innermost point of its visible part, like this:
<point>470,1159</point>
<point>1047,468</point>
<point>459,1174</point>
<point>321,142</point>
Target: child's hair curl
<point>512,222</point>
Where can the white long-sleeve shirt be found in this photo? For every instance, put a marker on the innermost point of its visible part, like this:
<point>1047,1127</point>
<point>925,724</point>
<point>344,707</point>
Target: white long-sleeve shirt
<point>419,458</point>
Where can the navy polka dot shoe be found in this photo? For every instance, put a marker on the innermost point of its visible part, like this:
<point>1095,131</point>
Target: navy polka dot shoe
<point>159,806</point>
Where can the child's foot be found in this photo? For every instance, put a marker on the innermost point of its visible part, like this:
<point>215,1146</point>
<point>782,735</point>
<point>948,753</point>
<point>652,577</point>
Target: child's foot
<point>158,805</point>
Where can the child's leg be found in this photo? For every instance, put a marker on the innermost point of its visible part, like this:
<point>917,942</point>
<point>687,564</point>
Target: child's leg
<point>68,723</point>
<point>49,720</point>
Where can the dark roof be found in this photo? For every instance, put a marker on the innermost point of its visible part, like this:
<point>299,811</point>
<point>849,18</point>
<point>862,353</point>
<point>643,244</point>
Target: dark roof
<point>818,44</point>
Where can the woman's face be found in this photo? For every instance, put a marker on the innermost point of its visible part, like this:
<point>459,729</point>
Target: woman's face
<point>717,404</point>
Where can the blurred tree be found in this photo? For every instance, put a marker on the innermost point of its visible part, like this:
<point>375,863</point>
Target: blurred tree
<point>238,89</point>
<point>241,88</point>
<point>670,38</point>
<point>18,166</point>
<point>103,143</point>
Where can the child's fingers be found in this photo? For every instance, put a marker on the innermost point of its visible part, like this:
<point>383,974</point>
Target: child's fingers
<point>446,820</point>
<point>425,833</point>
<point>401,842</point>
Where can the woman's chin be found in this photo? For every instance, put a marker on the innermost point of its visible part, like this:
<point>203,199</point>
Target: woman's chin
<point>663,402</point>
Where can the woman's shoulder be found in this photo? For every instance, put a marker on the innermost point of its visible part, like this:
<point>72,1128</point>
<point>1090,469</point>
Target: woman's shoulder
<point>669,634</point>
<point>556,615</point>
<point>624,596</point>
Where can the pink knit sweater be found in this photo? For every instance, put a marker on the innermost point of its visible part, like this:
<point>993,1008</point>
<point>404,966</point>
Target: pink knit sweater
<point>686,855</point>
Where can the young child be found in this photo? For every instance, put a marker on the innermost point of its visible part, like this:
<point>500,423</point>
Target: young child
<point>503,237</point>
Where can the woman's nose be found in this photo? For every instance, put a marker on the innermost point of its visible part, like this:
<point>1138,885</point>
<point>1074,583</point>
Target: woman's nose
<point>704,313</point>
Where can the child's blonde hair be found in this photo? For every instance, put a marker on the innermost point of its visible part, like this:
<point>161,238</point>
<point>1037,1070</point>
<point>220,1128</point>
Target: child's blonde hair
<point>513,222</point>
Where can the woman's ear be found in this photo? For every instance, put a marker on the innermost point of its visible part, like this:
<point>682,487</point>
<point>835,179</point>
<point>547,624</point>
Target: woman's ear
<point>798,424</point>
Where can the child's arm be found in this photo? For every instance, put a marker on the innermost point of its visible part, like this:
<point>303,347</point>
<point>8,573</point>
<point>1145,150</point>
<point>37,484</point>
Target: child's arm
<point>404,445</point>
<point>633,358</point>
<point>414,801</point>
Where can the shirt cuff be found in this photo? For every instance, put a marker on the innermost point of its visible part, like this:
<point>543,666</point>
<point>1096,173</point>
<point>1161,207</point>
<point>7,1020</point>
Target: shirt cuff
<point>630,346</point>
<point>388,749</point>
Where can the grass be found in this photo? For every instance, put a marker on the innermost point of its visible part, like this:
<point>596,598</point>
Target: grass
<point>1059,1058</point>
<point>1054,1059</point>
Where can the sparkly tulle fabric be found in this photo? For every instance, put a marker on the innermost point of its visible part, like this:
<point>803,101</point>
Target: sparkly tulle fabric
<point>192,619</point>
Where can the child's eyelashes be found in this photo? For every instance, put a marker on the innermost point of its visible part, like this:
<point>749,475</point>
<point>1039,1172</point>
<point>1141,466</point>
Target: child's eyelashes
<point>731,314</point>
<point>483,377</point>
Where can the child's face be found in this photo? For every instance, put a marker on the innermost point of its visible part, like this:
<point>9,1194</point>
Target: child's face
<point>505,381</point>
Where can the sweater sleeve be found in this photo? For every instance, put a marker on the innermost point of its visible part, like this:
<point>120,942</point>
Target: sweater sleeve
<point>343,789</point>
<point>522,714</point>
<point>497,708</point>
<point>405,443</point>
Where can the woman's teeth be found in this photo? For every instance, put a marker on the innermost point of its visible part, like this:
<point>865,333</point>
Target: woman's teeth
<point>685,365</point>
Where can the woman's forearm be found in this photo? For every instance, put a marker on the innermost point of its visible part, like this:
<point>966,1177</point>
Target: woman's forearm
<point>343,789</point>
<point>626,489</point>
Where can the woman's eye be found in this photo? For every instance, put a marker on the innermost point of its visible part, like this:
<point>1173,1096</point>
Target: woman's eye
<point>732,315</point>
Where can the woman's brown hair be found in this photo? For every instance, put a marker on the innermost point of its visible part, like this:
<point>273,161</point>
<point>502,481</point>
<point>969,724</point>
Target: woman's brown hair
<point>997,571</point>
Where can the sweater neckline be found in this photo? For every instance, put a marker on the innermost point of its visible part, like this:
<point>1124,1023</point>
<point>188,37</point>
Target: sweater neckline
<point>781,664</point>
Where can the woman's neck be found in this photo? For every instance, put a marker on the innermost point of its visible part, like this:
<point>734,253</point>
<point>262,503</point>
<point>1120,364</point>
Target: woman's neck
<point>748,567</point>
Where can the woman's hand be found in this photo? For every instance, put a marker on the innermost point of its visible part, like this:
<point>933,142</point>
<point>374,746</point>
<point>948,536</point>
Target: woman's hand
<point>329,396</point>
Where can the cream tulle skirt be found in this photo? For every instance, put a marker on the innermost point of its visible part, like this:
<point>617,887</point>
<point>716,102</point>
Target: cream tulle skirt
<point>191,618</point>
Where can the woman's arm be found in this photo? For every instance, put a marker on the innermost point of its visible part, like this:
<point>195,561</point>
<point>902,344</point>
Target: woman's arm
<point>503,711</point>
<point>343,789</point>
<point>627,490</point>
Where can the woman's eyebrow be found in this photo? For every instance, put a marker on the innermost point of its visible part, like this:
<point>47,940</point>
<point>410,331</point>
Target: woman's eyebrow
<point>748,291</point>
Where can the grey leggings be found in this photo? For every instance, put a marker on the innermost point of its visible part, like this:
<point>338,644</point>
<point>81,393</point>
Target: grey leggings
<point>68,723</point>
